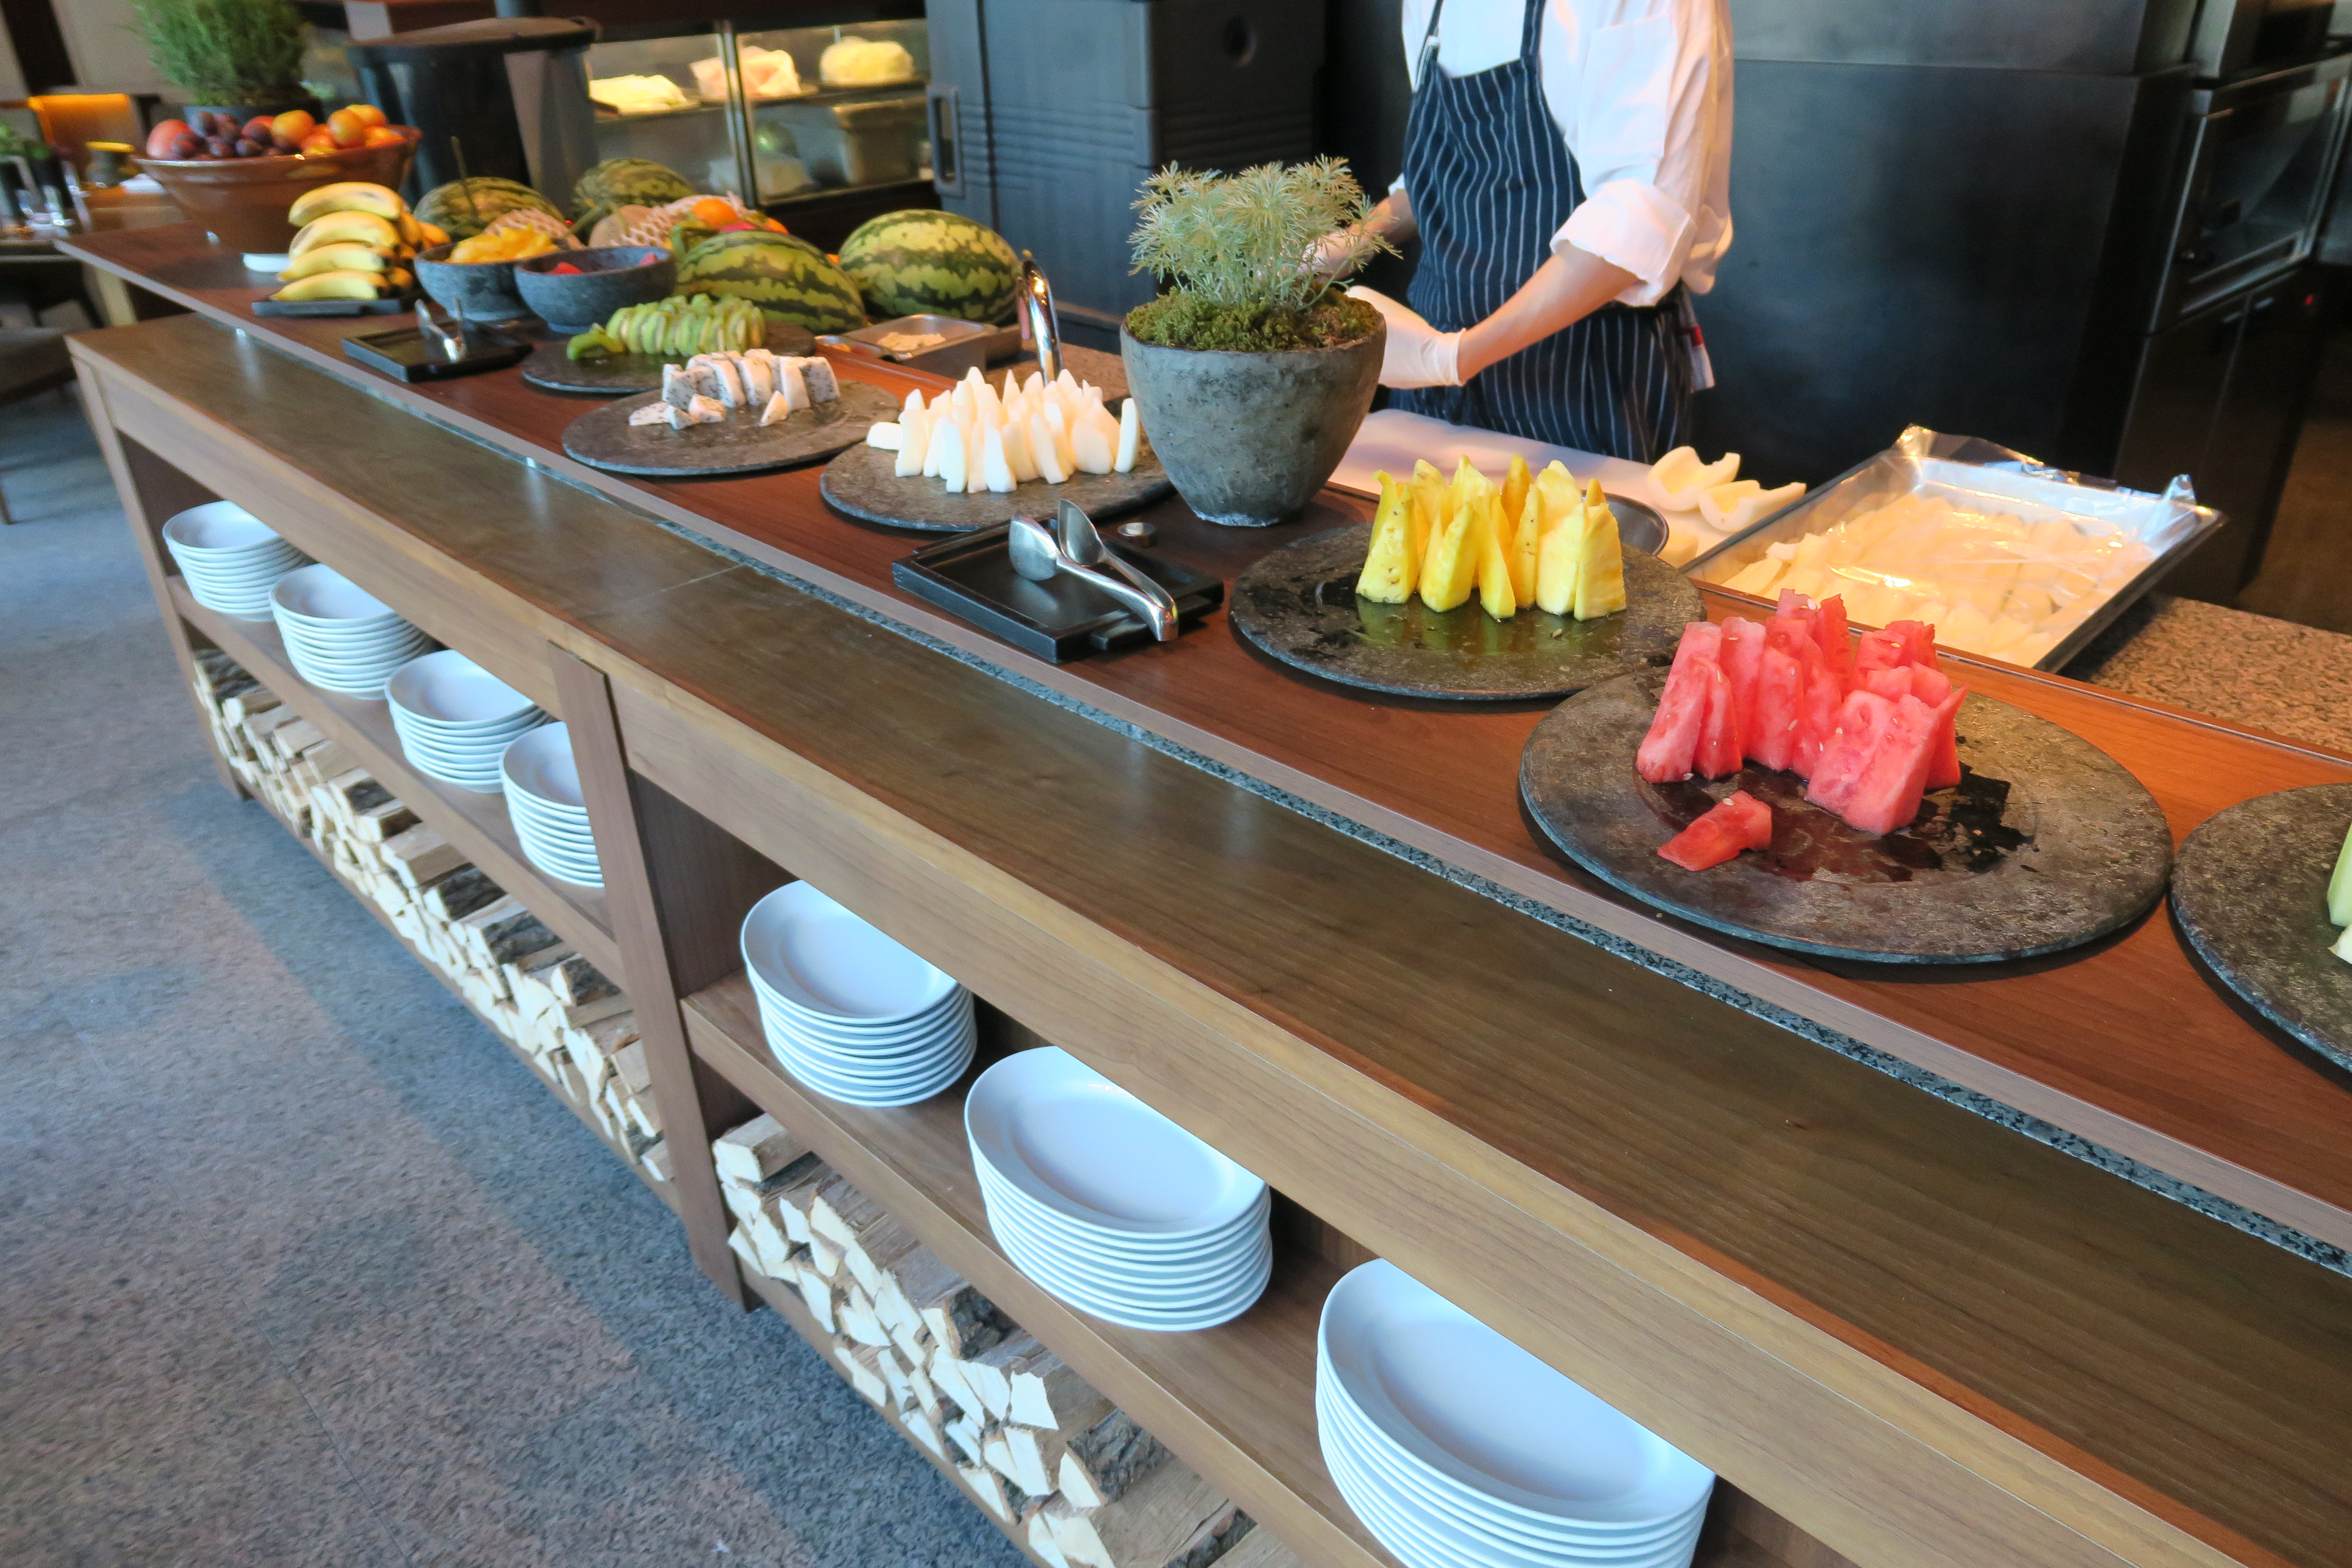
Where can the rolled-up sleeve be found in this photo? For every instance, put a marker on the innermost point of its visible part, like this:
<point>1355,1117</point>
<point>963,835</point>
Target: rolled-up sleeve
<point>1642,126</point>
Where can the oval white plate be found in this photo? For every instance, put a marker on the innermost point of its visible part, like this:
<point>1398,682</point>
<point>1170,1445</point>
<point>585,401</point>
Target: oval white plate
<point>815,955</point>
<point>1118,1245</point>
<point>324,594</point>
<point>219,526</point>
<point>540,763</point>
<point>448,688</point>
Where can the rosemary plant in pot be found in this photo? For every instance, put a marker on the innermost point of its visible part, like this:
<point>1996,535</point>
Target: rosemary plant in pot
<point>237,58</point>
<point>1254,370</point>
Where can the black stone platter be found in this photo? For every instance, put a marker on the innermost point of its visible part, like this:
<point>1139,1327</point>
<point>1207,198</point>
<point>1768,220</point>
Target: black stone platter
<point>604,437</point>
<point>1298,604</point>
<point>2250,897</point>
<point>619,374</point>
<point>864,483</point>
<point>2045,844</point>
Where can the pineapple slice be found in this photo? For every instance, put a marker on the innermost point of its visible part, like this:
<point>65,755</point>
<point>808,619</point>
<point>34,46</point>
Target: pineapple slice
<point>1560,521</point>
<point>1527,534</point>
<point>1392,567</point>
<point>1451,568</point>
<point>1495,594</point>
<point>1599,560</point>
<point>1515,483</point>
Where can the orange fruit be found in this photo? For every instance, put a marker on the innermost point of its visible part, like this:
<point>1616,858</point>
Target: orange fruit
<point>369,114</point>
<point>714,211</point>
<point>383,136</point>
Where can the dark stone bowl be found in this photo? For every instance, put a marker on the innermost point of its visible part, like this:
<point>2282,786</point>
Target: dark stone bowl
<point>610,276</point>
<point>481,290</point>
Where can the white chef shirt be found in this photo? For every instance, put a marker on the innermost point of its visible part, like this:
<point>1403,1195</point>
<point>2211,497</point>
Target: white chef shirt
<point>1642,92</point>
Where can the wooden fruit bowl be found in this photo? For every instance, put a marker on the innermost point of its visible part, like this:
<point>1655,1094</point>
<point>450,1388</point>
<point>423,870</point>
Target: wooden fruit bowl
<point>242,202</point>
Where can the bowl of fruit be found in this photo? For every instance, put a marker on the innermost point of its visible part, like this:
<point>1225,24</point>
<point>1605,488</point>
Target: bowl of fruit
<point>571,290</point>
<point>238,181</point>
<point>476,277</point>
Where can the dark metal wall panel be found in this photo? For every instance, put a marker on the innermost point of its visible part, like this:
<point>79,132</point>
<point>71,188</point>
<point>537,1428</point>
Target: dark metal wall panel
<point>2112,38</point>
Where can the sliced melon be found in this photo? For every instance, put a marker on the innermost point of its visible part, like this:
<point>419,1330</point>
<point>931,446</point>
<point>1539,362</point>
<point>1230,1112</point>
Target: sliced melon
<point>1494,594</point>
<point>2339,886</point>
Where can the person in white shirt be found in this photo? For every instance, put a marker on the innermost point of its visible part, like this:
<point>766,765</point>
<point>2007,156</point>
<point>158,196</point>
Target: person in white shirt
<point>1565,166</point>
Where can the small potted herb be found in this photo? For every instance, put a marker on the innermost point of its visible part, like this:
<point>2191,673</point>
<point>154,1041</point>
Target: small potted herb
<point>236,58</point>
<point>1254,370</point>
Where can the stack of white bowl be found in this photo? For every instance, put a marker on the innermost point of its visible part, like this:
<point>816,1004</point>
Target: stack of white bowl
<point>341,637</point>
<point>1110,1206</point>
<point>848,1011</point>
<point>549,813</point>
<point>230,558</point>
<point>1459,1450</point>
<point>456,719</point>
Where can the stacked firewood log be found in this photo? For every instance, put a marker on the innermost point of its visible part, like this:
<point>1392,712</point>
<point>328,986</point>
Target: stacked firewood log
<point>1069,1473</point>
<point>570,1022</point>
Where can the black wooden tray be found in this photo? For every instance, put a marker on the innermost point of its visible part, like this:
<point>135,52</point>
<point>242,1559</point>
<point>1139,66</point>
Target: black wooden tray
<point>863,483</point>
<point>617,376</point>
<point>392,306</point>
<point>2045,844</point>
<point>402,354</point>
<point>2251,897</point>
<point>971,577</point>
<point>1299,605</point>
<point>603,438</point>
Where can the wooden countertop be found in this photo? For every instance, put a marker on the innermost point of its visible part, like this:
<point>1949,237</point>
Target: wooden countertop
<point>2204,1376</point>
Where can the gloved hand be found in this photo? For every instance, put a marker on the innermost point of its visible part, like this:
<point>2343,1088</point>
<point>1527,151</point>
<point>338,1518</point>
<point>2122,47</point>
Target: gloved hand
<point>1330,252</point>
<point>1417,354</point>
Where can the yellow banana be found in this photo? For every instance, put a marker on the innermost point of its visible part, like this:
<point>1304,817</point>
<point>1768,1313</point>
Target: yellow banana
<point>336,228</point>
<point>348,257</point>
<point>396,279</point>
<point>342,284</point>
<point>434,234</point>
<point>411,231</point>
<point>346,196</point>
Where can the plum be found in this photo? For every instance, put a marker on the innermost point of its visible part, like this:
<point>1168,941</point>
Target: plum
<point>219,147</point>
<point>258,130</point>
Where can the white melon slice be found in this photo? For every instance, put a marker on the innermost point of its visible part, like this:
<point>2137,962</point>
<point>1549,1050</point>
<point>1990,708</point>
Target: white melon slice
<point>975,465</point>
<point>914,403</point>
<point>945,436</point>
<point>1016,449</point>
<point>917,447</point>
<point>887,437</point>
<point>996,465</point>
<point>1045,451</point>
<point>1012,388</point>
<point>1091,449</point>
<point>1131,437</point>
<point>955,456</point>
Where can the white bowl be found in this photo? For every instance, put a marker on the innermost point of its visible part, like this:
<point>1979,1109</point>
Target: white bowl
<point>323,596</point>
<point>241,570</point>
<point>540,767</point>
<point>448,688</point>
<point>377,667</point>
<point>484,750</point>
<point>219,528</point>
<point>816,955</point>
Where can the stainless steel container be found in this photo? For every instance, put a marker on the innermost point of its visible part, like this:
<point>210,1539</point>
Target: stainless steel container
<point>2087,546</point>
<point>855,141</point>
<point>964,345</point>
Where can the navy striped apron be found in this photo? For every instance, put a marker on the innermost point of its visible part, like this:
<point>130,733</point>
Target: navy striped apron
<point>1491,181</point>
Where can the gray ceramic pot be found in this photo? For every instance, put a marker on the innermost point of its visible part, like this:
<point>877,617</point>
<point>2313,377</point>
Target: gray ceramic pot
<point>484,290</point>
<point>1248,438</point>
<point>610,276</point>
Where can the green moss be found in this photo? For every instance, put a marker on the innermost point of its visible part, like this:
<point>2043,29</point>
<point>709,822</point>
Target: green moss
<point>1185,321</point>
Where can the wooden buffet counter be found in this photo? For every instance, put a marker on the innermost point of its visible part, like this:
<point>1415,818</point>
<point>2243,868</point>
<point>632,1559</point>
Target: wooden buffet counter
<point>1886,1249</point>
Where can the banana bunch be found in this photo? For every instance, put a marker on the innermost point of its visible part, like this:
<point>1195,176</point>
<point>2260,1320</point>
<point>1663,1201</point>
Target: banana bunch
<point>677,327</point>
<point>353,240</point>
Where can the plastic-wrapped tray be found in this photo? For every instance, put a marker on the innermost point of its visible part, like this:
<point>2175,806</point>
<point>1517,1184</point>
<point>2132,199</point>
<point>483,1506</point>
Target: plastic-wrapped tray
<point>2113,545</point>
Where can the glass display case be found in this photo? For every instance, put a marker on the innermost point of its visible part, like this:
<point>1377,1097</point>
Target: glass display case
<point>651,102</point>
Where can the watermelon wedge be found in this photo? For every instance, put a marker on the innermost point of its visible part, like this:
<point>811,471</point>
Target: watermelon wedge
<point>1883,649</point>
<point>1918,641</point>
<point>1717,753</point>
<point>1780,705</point>
<point>1739,821</point>
<point>1743,661</point>
<point>1846,752</point>
<point>1886,793</point>
<point>1944,762</point>
<point>1667,751</point>
<point>1830,630</point>
<point>1815,723</point>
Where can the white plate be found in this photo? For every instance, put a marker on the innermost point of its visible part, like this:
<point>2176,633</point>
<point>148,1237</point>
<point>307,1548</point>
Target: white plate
<point>1113,1245</point>
<point>586,876</point>
<point>578,840</point>
<point>495,736</point>
<point>877,1042</point>
<point>448,688</point>
<point>1473,1411</point>
<point>1206,1315</point>
<point>814,954</point>
<point>585,860</point>
<point>323,595</point>
<point>1085,1148</point>
<point>1193,1280</point>
<point>219,528</point>
<point>255,575</point>
<point>956,1035</point>
<point>920,1089</point>
<point>395,650</point>
<point>1341,1424</point>
<point>539,765</point>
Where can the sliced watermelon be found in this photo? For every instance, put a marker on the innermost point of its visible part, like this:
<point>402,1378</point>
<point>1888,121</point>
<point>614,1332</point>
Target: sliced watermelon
<point>1891,684</point>
<point>1817,721</point>
<point>1830,630</point>
<point>1739,821</point>
<point>1918,641</point>
<point>1779,704</point>
<point>1885,649</point>
<point>1743,661</point>
<point>1885,794</point>
<point>1717,753</point>
<point>1667,750</point>
<point>1792,604</point>
<point>1944,762</point>
<point>1863,717</point>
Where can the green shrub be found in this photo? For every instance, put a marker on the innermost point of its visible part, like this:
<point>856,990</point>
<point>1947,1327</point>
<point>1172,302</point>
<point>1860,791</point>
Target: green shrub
<point>245,53</point>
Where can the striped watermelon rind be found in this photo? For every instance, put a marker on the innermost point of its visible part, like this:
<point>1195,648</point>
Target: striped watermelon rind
<point>617,182</point>
<point>790,279</point>
<point>464,207</point>
<point>926,261</point>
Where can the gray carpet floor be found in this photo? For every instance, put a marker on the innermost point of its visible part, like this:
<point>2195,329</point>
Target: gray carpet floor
<point>298,1264</point>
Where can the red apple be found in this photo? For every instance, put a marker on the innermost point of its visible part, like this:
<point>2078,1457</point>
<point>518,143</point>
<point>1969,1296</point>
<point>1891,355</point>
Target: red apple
<point>321,142</point>
<point>255,129</point>
<point>167,136</point>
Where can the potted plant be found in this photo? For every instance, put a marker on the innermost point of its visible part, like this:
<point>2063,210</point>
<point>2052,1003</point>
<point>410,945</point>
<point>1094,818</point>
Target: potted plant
<point>1254,370</point>
<point>236,58</point>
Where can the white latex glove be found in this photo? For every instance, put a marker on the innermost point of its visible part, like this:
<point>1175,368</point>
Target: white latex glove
<point>1417,354</point>
<point>1330,252</point>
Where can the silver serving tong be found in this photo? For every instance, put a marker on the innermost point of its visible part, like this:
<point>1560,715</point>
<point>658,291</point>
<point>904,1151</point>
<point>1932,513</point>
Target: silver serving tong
<point>1078,552</point>
<point>1044,325</point>
<point>452,340</point>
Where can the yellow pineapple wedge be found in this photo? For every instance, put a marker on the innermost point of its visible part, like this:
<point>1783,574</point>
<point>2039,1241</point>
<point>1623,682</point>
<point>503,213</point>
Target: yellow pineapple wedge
<point>1527,534</point>
<point>1515,496</point>
<point>1451,568</point>
<point>1495,594</point>
<point>1559,521</point>
<point>1429,509</point>
<point>1601,560</point>
<point>1390,569</point>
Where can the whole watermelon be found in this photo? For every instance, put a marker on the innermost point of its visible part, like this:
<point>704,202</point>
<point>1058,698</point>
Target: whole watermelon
<point>790,279</point>
<point>625,182</point>
<point>464,207</point>
<point>911,263</point>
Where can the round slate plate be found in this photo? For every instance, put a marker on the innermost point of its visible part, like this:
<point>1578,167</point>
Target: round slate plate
<point>2251,895</point>
<point>861,483</point>
<point>1298,604</point>
<point>604,439</point>
<point>621,374</point>
<point>2045,844</point>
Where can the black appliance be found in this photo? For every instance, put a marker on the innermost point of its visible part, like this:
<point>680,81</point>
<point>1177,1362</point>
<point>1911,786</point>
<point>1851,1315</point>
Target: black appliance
<point>2234,38</point>
<point>512,92</point>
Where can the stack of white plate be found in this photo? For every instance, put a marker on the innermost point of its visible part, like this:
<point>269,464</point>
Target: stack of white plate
<point>341,637</point>
<point>1110,1206</point>
<point>848,1011</point>
<point>549,813</point>
<point>230,558</point>
<point>1459,1450</point>
<point>456,719</point>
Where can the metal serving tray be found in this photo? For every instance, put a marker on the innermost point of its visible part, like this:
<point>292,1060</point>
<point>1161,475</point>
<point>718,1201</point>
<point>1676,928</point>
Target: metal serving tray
<point>1976,473</point>
<point>970,345</point>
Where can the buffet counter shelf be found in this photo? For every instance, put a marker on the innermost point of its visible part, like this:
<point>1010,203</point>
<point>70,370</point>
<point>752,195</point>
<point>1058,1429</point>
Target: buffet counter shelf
<point>1910,1332</point>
